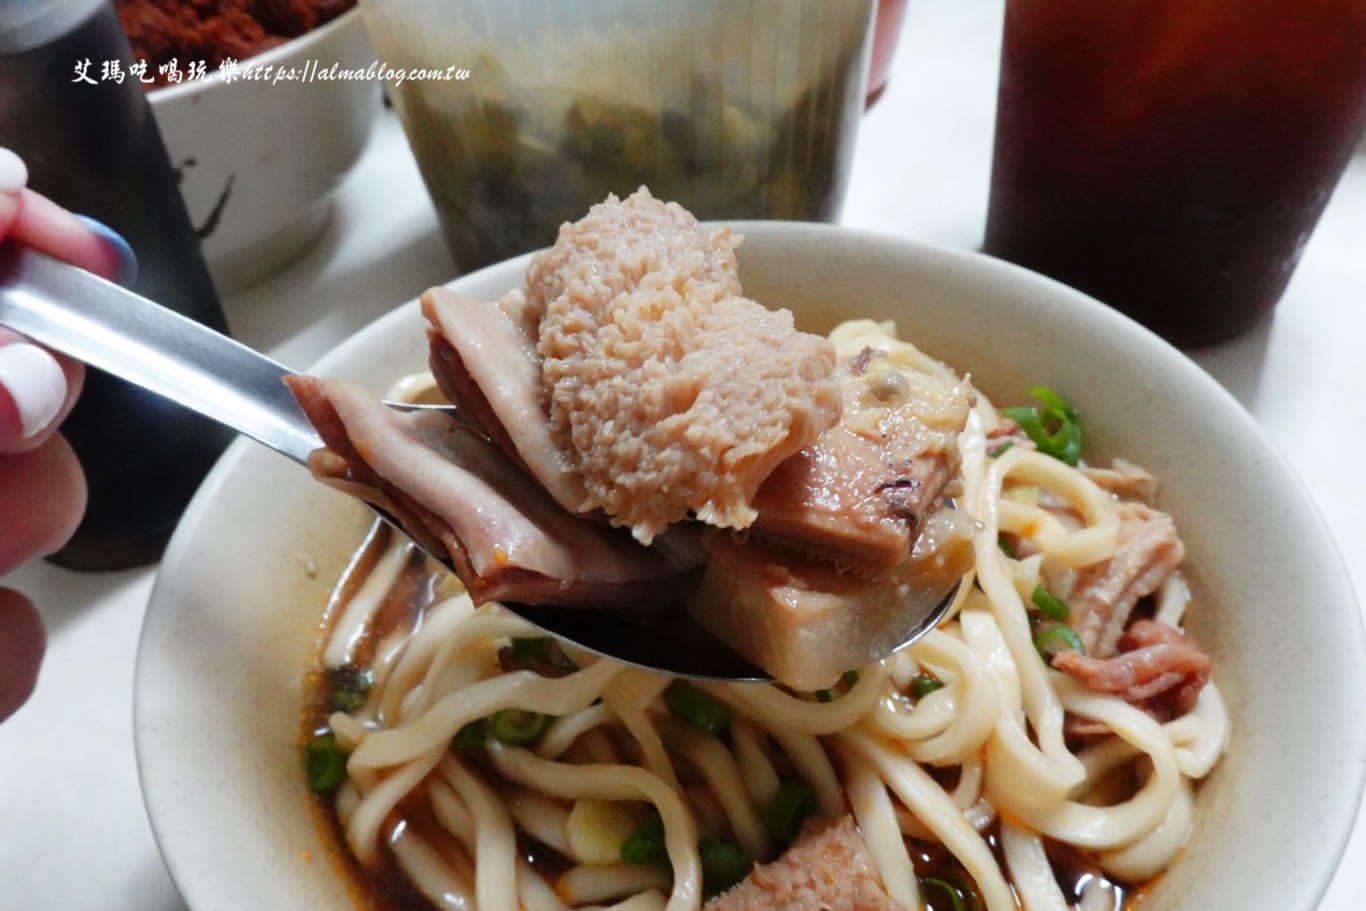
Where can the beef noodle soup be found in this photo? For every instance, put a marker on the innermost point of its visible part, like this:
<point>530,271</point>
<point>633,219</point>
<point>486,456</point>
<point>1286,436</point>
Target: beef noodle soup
<point>1041,748</point>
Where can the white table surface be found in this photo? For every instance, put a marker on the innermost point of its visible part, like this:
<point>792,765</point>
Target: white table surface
<point>73,832</point>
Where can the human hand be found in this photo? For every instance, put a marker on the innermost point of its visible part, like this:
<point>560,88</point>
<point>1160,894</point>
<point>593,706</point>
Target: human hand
<point>42,489</point>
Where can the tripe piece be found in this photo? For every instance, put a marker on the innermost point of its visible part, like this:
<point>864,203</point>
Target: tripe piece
<point>675,396</point>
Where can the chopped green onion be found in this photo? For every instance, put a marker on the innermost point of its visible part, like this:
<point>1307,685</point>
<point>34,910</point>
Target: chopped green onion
<point>472,735</point>
<point>924,684</point>
<point>1051,607</point>
<point>324,763</point>
<point>848,680</point>
<point>789,808</point>
<point>1002,449</point>
<point>697,706</point>
<point>1056,638</point>
<point>518,727</point>
<point>541,655</point>
<point>646,843</point>
<point>962,896</point>
<point>532,648</point>
<point>350,686</point>
<point>1055,429</point>
<point>1006,547</point>
<point>723,864</point>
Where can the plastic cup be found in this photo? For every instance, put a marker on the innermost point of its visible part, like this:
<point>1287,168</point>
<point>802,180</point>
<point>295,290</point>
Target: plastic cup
<point>733,110</point>
<point>1172,157</point>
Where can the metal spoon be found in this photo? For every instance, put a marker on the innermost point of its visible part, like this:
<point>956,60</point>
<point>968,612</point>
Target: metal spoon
<point>122,333</point>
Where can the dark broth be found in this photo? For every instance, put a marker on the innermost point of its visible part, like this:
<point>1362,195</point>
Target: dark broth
<point>387,888</point>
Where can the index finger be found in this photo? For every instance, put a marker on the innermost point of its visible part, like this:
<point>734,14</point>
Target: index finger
<point>32,219</point>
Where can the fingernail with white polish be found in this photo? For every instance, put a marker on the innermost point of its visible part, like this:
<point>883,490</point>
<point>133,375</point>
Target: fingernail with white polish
<point>35,381</point>
<point>13,172</point>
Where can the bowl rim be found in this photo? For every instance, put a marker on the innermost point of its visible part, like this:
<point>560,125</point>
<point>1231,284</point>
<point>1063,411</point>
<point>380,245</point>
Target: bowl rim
<point>168,94</point>
<point>1309,882</point>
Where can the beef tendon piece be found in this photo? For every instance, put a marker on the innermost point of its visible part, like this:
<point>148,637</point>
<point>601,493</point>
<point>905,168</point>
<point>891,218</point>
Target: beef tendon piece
<point>828,868</point>
<point>675,396</point>
<point>805,623</point>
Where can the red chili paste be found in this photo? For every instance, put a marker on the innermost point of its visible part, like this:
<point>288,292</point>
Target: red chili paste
<point>193,32</point>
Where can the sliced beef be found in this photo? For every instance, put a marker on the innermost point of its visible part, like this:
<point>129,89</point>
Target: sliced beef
<point>631,380</point>
<point>1104,595</point>
<point>1157,667</point>
<point>457,492</point>
<point>1125,480</point>
<point>828,868</point>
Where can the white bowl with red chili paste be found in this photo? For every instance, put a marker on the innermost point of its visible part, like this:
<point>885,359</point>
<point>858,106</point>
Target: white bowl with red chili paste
<point>260,143</point>
<point>235,618</point>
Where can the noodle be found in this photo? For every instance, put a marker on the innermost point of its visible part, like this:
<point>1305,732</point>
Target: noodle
<point>960,745</point>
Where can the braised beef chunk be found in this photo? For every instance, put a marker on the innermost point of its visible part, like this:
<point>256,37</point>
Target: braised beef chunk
<point>858,495</point>
<point>826,502</point>
<point>804,622</point>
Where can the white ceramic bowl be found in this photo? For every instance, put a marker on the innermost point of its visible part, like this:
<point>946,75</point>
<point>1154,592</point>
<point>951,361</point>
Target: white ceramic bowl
<point>259,158</point>
<point>237,606</point>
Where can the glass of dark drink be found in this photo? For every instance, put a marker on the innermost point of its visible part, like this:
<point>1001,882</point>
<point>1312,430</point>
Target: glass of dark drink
<point>1172,157</point>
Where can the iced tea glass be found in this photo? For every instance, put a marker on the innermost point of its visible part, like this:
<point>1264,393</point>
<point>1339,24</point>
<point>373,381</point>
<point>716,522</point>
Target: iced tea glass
<point>1172,157</point>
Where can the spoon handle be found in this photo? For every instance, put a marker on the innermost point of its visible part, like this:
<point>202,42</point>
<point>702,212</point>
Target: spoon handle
<point>98,322</point>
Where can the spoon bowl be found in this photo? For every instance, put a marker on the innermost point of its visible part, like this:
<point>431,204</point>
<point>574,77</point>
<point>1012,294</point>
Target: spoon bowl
<point>138,340</point>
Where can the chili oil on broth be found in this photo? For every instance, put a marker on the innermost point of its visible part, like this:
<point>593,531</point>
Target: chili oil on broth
<point>418,584</point>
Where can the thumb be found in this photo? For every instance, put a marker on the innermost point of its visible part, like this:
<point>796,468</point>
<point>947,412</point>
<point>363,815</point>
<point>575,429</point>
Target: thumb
<point>36,391</point>
<point>22,642</point>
